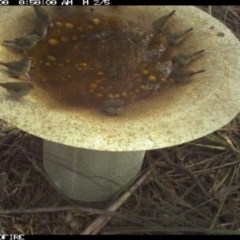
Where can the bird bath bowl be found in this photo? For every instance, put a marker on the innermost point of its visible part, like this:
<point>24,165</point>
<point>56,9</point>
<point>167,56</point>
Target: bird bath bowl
<point>88,155</point>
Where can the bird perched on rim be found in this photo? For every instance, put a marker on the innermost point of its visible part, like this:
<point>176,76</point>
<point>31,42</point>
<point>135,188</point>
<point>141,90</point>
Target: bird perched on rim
<point>19,68</point>
<point>164,68</point>
<point>23,43</point>
<point>156,46</point>
<point>180,75</point>
<point>183,59</point>
<point>110,106</point>
<point>160,24</point>
<point>156,42</point>
<point>43,16</point>
<point>176,38</point>
<point>17,89</point>
<point>40,30</point>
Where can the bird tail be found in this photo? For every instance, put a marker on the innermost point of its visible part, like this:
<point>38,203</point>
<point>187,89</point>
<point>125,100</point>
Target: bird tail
<point>198,52</point>
<point>2,85</point>
<point>170,14</point>
<point>3,63</point>
<point>8,41</point>
<point>187,31</point>
<point>197,72</point>
<point>37,10</point>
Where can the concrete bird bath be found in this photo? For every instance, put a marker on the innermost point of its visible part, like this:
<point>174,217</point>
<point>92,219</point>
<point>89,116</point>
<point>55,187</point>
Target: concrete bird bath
<point>89,156</point>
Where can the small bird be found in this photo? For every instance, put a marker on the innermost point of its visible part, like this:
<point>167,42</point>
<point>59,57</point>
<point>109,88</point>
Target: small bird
<point>110,106</point>
<point>161,22</point>
<point>17,89</point>
<point>18,68</point>
<point>40,30</point>
<point>110,111</point>
<point>176,38</point>
<point>180,75</point>
<point>156,41</point>
<point>43,16</point>
<point>164,68</point>
<point>156,47</point>
<point>183,59</point>
<point>23,43</point>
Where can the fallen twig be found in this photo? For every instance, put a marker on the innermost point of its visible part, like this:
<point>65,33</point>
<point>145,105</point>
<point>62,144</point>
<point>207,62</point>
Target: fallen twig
<point>97,225</point>
<point>90,211</point>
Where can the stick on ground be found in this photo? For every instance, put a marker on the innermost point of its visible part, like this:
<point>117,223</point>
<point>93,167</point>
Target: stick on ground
<point>97,225</point>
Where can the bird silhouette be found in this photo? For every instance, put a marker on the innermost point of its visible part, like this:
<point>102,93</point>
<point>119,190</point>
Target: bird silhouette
<point>183,59</point>
<point>23,43</point>
<point>43,16</point>
<point>18,68</point>
<point>176,38</point>
<point>160,24</point>
<point>180,75</point>
<point>17,89</point>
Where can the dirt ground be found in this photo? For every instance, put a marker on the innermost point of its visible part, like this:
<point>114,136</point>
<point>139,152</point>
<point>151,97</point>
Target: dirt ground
<point>192,188</point>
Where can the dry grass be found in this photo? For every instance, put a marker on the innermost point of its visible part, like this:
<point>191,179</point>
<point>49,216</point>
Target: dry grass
<point>193,188</point>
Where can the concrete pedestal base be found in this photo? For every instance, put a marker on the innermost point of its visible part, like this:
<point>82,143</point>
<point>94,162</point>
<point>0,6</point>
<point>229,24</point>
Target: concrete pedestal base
<point>89,175</point>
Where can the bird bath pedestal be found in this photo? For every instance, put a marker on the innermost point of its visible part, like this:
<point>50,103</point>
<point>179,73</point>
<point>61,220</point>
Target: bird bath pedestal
<point>90,156</point>
<point>90,175</point>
